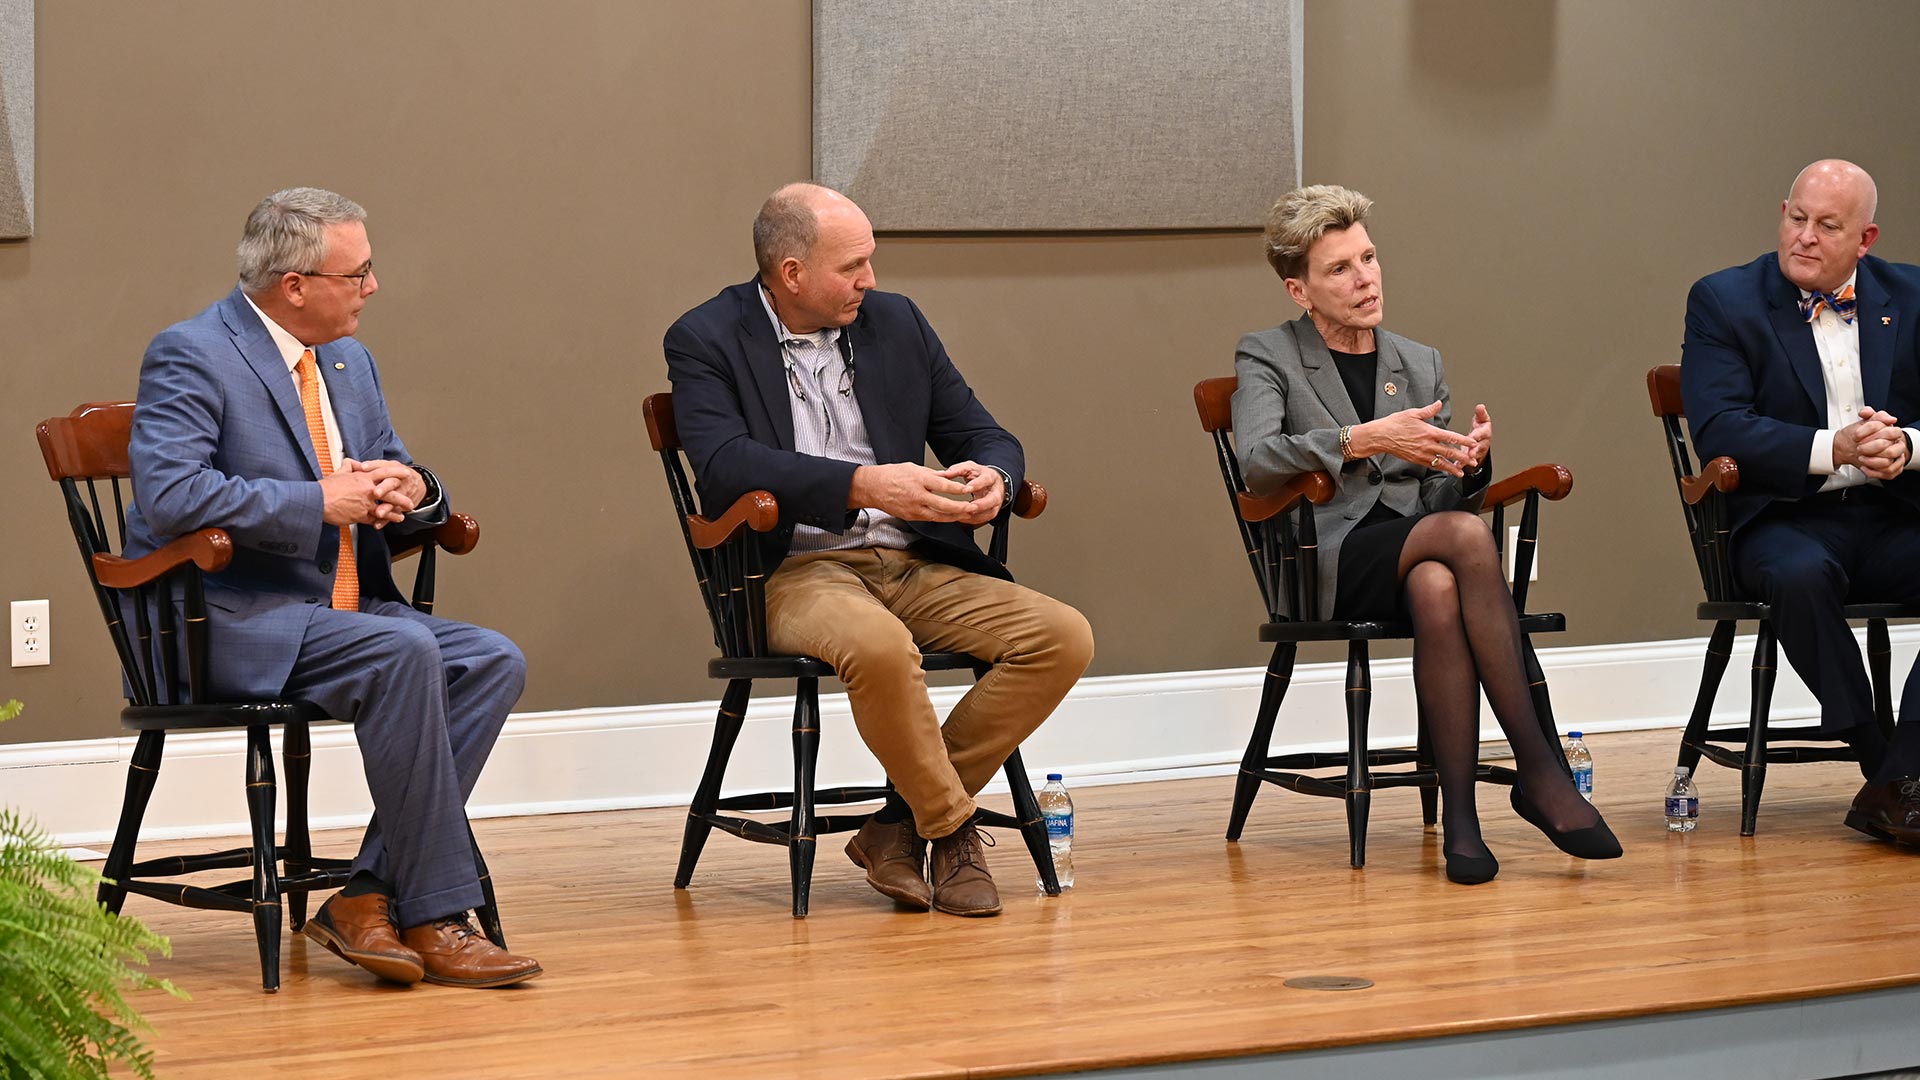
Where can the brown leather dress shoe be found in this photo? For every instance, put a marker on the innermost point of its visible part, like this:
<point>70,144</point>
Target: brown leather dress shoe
<point>1890,811</point>
<point>895,859</point>
<point>455,954</point>
<point>961,883</point>
<point>360,930</point>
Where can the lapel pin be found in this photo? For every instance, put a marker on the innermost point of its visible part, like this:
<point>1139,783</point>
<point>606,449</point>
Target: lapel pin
<point>1392,389</point>
<point>1886,320</point>
<point>339,367</point>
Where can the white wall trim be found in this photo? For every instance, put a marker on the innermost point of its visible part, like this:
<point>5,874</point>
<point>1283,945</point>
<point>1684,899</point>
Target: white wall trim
<point>1111,729</point>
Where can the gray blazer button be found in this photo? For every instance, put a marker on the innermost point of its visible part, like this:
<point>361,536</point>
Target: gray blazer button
<point>1374,475</point>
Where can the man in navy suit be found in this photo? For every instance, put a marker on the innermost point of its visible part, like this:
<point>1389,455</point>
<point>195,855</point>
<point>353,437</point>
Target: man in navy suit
<point>811,384</point>
<point>1803,366</point>
<point>263,416</point>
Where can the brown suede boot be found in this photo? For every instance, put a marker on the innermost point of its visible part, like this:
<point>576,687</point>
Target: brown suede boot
<point>895,859</point>
<point>360,930</point>
<point>961,883</point>
<point>455,954</point>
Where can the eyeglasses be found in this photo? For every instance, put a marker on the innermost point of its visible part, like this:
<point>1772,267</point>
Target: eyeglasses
<point>358,277</point>
<point>846,381</point>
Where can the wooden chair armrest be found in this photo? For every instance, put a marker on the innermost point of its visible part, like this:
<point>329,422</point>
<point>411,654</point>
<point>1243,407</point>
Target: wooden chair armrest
<point>1722,474</point>
<point>209,549</point>
<point>1551,481</point>
<point>756,510</point>
<point>457,535</point>
<point>1315,487</point>
<point>1030,501</point>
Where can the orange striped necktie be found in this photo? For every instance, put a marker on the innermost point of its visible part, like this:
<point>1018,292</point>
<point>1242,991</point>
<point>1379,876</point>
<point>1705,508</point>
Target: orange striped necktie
<point>346,578</point>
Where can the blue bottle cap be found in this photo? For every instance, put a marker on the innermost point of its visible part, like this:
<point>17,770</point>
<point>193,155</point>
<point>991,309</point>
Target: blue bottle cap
<point>1054,776</point>
<point>1573,734</point>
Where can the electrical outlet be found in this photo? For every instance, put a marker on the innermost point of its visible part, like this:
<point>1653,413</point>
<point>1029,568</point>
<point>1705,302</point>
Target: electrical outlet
<point>32,634</point>
<point>1513,549</point>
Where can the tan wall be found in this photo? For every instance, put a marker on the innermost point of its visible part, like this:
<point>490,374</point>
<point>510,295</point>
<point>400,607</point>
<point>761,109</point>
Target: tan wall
<point>550,185</point>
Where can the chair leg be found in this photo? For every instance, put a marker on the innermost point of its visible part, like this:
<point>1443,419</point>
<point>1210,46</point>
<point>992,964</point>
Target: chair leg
<point>266,876</point>
<point>1359,778</point>
<point>1880,662</point>
<point>1033,828</point>
<point>1423,759</point>
<point>1753,777</point>
<point>142,772</point>
<point>488,913</point>
<point>1719,652</point>
<point>806,751</point>
<point>1542,703</point>
<point>1272,692</point>
<point>296,752</point>
<point>726,729</point>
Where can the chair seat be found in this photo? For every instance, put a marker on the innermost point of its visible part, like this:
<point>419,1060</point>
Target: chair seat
<point>239,714</point>
<point>1538,623</point>
<point>1716,610</point>
<point>808,667</point>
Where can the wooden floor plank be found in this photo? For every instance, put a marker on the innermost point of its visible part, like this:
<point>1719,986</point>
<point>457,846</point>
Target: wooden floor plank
<point>1174,945</point>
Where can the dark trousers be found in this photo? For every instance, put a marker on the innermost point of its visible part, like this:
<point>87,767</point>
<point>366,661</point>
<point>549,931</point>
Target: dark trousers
<point>1808,557</point>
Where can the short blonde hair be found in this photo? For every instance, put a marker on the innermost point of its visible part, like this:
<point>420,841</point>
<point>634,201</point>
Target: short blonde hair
<point>1302,217</point>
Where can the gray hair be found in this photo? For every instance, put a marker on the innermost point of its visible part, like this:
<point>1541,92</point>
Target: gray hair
<point>786,227</point>
<point>1302,217</point>
<point>288,231</point>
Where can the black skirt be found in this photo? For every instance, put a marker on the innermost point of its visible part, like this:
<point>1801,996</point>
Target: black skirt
<point>1367,583</point>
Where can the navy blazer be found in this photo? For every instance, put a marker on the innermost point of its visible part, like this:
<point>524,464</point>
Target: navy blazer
<point>731,406</point>
<point>220,441</point>
<point>1751,381</point>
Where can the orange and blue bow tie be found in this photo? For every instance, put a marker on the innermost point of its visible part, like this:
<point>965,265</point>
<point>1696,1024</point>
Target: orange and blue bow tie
<point>1840,303</point>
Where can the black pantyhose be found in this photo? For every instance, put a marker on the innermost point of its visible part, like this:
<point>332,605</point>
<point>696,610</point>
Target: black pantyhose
<point>1466,637</point>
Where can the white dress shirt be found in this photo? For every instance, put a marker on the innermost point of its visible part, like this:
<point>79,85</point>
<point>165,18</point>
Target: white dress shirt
<point>1838,343</point>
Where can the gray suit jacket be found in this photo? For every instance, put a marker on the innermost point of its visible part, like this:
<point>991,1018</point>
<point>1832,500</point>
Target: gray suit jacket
<point>1287,415</point>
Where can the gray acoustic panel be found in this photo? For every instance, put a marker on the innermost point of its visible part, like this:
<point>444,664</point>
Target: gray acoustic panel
<point>16,119</point>
<point>1061,114</point>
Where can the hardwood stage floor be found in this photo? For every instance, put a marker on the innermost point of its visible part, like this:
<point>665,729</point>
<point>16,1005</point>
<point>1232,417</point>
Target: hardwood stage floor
<point>1174,945</point>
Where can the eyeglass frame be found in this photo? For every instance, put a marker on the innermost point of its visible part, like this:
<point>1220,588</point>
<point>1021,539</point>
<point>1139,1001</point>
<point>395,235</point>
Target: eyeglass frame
<point>361,275</point>
<point>846,377</point>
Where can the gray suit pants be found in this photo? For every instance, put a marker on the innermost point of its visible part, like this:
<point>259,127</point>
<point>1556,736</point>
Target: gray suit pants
<point>426,697</point>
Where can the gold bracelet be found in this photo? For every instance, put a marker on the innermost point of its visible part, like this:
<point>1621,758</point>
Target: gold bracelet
<point>1346,444</point>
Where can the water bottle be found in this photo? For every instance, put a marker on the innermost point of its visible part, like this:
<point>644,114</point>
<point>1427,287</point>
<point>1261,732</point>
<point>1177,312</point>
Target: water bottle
<point>1056,809</point>
<point>1683,802</point>
<point>1580,761</point>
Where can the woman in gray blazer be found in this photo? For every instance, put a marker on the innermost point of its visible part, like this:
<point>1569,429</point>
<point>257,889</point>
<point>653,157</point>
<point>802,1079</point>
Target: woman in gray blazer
<point>1401,538</point>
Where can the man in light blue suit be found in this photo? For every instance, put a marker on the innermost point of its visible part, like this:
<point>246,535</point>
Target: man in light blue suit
<point>264,417</point>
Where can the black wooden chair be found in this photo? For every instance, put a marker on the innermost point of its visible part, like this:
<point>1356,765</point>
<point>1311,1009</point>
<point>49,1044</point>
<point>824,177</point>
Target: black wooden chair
<point>1279,535</point>
<point>1749,749</point>
<point>727,562</point>
<point>164,665</point>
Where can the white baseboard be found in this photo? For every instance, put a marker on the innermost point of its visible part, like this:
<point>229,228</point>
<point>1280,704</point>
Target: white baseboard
<point>1111,729</point>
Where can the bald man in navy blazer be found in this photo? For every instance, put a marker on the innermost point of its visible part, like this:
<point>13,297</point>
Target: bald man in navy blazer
<point>1803,365</point>
<point>263,416</point>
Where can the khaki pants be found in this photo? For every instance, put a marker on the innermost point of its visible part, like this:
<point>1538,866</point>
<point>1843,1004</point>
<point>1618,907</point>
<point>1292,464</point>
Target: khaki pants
<point>870,611</point>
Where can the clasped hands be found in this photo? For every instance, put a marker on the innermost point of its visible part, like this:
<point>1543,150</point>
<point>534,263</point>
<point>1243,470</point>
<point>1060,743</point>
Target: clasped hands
<point>376,493</point>
<point>1874,444</point>
<point>968,493</point>
<point>1411,436</point>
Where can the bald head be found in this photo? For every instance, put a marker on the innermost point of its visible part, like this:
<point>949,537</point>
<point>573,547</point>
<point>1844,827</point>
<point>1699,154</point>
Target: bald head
<point>1826,224</point>
<point>789,223</point>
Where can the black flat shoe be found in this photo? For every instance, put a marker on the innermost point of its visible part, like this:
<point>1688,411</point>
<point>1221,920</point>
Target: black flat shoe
<point>1596,841</point>
<point>1471,869</point>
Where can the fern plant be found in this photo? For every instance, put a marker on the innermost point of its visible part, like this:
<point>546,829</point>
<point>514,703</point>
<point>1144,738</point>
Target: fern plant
<point>66,963</point>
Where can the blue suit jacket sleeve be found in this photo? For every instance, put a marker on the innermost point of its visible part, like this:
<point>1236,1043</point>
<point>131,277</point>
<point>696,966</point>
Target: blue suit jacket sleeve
<point>1719,383</point>
<point>174,453</point>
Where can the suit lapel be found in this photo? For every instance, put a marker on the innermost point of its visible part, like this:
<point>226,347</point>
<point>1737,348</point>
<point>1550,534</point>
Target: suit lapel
<point>870,390</point>
<point>1796,340</point>
<point>765,364</point>
<point>343,393</point>
<point>1878,325</point>
<point>1322,375</point>
<point>257,348</point>
<point>1393,370</point>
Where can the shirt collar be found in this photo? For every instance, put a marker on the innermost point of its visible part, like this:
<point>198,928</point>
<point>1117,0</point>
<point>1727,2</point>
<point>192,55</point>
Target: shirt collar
<point>1847,284</point>
<point>289,346</point>
<point>826,337</point>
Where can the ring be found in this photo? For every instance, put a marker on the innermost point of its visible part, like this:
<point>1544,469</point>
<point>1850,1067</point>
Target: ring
<point>1436,461</point>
